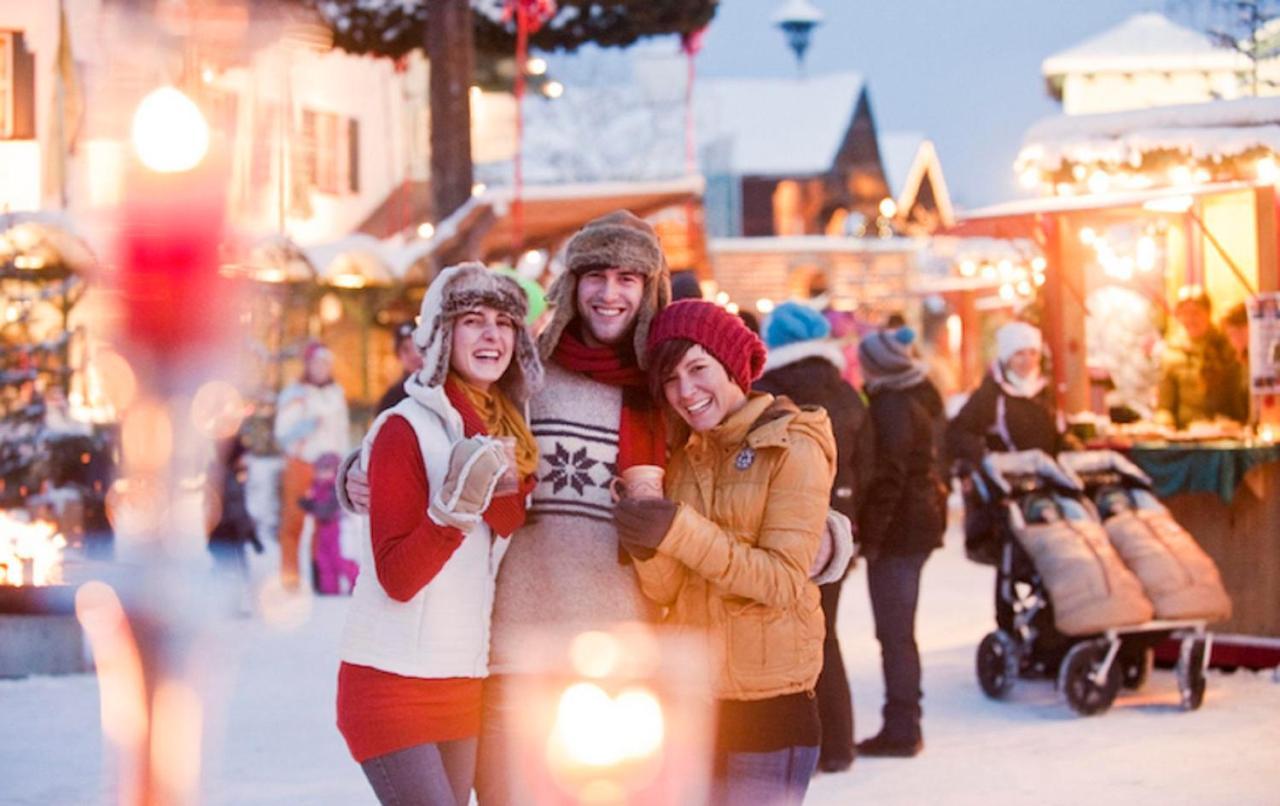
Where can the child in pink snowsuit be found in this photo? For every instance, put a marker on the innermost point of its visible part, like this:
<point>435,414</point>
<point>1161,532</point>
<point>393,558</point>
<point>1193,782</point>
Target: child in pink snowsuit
<point>321,502</point>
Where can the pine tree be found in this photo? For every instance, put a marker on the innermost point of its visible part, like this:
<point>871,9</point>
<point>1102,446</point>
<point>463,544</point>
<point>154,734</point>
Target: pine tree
<point>394,29</point>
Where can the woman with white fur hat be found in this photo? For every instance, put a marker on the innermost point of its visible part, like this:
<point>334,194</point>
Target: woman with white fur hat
<point>416,645</point>
<point>1012,410</point>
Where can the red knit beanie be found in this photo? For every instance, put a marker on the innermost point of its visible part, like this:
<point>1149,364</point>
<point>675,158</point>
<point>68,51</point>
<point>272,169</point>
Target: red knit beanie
<point>717,331</point>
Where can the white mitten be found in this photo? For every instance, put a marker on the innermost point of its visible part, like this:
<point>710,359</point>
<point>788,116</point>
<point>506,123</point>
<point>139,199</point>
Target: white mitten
<point>475,465</point>
<point>836,551</point>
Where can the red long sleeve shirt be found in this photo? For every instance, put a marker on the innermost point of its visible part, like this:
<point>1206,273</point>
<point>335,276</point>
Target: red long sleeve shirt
<point>380,712</point>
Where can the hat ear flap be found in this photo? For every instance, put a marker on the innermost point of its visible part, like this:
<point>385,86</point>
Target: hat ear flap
<point>524,376</point>
<point>560,298</point>
<point>657,298</point>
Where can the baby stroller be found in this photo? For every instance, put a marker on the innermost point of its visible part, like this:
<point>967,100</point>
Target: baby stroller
<point>1181,580</point>
<point>1027,511</point>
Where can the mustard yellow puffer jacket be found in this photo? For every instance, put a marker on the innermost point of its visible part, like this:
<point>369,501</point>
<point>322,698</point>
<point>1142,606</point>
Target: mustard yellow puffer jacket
<point>752,497</point>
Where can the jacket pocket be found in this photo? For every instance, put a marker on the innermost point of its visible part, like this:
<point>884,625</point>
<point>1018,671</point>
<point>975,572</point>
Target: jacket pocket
<point>761,641</point>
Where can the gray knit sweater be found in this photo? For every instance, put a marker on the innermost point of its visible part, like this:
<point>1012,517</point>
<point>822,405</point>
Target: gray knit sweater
<point>562,570</point>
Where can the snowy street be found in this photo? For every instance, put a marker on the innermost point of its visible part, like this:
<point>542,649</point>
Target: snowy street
<point>274,741</point>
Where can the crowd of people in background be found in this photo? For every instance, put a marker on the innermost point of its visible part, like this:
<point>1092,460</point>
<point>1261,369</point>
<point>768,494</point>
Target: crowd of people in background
<point>489,479</point>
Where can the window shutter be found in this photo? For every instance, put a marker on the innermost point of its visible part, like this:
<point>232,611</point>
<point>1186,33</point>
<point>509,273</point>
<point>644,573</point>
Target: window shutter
<point>24,90</point>
<point>353,155</point>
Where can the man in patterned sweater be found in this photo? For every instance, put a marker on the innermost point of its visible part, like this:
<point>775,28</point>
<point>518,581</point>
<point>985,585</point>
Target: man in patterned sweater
<point>592,419</point>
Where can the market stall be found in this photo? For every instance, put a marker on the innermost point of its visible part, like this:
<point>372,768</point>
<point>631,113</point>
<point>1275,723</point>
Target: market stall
<point>1143,212</point>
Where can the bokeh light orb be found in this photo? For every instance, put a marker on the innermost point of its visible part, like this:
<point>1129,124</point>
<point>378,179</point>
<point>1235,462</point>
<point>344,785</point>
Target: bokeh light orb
<point>170,134</point>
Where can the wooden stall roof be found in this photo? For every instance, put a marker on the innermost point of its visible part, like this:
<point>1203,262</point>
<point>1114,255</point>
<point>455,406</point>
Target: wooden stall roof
<point>484,227</point>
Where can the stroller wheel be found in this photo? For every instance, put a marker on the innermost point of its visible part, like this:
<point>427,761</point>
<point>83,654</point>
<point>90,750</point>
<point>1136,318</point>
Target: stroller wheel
<point>997,664</point>
<point>1135,665</point>
<point>1077,679</point>
<point>1190,672</point>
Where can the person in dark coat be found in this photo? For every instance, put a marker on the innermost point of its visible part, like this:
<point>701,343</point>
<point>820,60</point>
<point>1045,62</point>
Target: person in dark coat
<point>410,360</point>
<point>1012,409</point>
<point>806,367</point>
<point>234,528</point>
<point>901,521</point>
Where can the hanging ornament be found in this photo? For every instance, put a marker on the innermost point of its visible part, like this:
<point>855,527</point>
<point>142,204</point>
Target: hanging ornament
<point>529,16</point>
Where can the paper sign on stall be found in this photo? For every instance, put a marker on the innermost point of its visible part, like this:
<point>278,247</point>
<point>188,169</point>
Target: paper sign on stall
<point>1264,343</point>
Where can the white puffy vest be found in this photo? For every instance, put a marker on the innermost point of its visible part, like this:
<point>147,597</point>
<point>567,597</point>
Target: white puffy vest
<point>443,631</point>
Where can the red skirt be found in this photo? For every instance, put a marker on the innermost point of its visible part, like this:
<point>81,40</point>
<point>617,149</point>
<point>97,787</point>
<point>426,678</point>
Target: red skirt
<point>380,712</point>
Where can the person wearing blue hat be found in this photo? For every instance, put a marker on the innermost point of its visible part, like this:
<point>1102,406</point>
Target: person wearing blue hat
<point>805,365</point>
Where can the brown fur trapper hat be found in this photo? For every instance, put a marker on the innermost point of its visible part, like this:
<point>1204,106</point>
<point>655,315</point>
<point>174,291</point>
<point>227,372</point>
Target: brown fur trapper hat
<point>463,288</point>
<point>617,239</point>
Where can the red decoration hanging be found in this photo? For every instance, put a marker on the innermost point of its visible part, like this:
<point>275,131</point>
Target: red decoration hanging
<point>529,16</point>
<point>690,44</point>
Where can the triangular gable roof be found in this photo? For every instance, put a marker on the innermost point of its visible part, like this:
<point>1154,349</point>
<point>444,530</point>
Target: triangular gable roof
<point>777,127</point>
<point>909,158</point>
<point>1149,41</point>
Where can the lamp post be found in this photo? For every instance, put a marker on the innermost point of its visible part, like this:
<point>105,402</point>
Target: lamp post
<point>797,19</point>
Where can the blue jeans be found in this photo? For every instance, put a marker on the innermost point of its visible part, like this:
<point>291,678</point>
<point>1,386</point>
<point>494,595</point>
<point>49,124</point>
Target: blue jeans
<point>779,778</point>
<point>438,774</point>
<point>894,584</point>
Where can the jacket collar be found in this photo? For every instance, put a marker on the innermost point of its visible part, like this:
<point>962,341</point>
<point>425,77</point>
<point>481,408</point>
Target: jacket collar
<point>434,399</point>
<point>768,414</point>
<point>787,354</point>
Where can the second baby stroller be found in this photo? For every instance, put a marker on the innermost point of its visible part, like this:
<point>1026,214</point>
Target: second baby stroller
<point>1067,607</point>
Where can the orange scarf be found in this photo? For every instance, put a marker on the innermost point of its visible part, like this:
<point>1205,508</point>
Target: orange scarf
<point>501,418</point>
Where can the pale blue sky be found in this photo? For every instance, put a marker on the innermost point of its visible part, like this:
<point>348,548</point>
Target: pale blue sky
<point>964,72</point>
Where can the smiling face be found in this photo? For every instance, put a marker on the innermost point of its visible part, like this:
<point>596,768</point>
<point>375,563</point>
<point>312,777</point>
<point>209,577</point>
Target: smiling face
<point>608,301</point>
<point>700,390</point>
<point>1025,363</point>
<point>483,343</point>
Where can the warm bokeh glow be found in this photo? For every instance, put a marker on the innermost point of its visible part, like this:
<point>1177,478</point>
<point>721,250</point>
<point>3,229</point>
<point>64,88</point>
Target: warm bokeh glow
<point>177,721</point>
<point>119,666</point>
<point>595,654</point>
<point>169,132</point>
<point>30,553</point>
<point>593,729</point>
<point>146,437</point>
<point>217,410</point>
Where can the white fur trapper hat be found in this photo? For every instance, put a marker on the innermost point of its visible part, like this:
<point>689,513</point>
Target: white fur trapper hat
<point>463,288</point>
<point>1015,336</point>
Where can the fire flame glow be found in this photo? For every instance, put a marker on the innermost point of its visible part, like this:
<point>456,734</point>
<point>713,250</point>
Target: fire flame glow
<point>30,553</point>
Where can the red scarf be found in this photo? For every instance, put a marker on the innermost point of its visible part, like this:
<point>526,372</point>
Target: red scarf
<point>505,513</point>
<point>641,430</point>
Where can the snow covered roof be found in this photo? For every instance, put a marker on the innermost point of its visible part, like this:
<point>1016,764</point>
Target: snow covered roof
<point>635,131</point>
<point>1149,41</point>
<point>908,158</point>
<point>777,126</point>
<point>1217,128</point>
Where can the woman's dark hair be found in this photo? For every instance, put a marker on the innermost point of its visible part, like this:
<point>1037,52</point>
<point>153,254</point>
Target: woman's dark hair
<point>663,361</point>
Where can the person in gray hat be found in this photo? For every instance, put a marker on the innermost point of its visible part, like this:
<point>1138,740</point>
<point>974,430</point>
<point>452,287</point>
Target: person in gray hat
<point>901,522</point>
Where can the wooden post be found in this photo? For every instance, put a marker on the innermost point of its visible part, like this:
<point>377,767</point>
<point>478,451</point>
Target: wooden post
<point>1266,213</point>
<point>450,52</point>
<point>1052,326</point>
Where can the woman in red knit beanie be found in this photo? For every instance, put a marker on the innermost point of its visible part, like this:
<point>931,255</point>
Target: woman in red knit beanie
<point>728,550</point>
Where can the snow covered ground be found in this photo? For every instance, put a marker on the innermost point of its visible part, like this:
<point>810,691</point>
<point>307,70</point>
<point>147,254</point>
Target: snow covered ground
<point>272,739</point>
